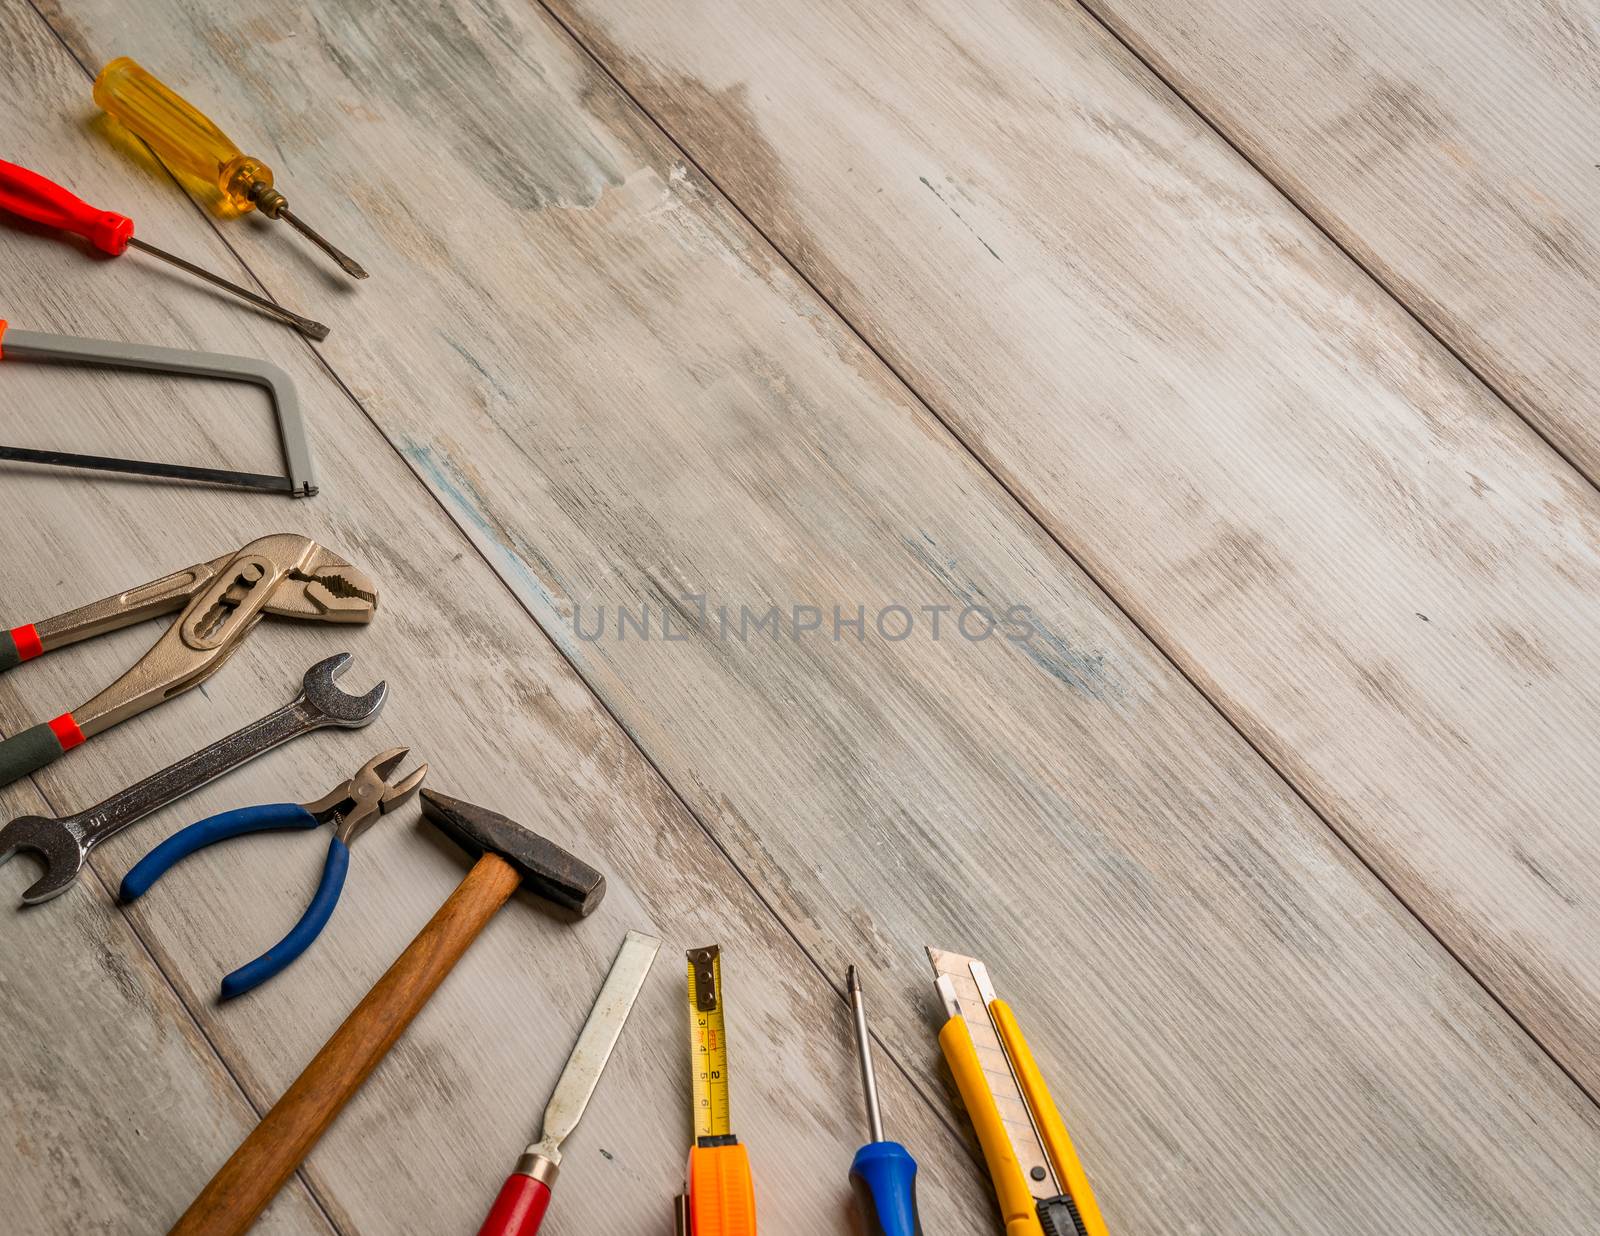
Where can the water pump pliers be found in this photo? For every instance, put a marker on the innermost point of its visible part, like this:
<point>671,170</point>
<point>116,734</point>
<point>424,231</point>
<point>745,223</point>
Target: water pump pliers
<point>222,600</point>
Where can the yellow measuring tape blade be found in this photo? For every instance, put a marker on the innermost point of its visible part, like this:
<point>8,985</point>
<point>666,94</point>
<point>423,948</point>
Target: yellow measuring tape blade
<point>708,1046</point>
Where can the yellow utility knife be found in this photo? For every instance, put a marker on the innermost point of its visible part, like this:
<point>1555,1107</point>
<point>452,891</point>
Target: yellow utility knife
<point>1040,1185</point>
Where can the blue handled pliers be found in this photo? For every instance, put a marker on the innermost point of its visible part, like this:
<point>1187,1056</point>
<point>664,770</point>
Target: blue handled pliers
<point>353,807</point>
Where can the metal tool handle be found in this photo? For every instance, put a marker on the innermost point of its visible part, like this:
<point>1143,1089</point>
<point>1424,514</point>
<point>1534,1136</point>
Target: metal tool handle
<point>166,595</point>
<point>70,349</point>
<point>100,823</point>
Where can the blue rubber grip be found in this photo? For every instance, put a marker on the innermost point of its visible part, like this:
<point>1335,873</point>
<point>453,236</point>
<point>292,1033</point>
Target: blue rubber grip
<point>884,1177</point>
<point>206,832</point>
<point>253,974</point>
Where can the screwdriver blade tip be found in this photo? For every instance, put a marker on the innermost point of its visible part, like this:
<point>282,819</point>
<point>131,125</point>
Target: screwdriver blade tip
<point>851,981</point>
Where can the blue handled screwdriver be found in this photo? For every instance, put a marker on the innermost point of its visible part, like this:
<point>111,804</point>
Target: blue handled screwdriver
<point>883,1173</point>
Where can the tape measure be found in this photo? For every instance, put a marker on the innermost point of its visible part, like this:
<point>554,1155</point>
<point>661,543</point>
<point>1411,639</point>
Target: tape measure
<point>708,1045</point>
<point>719,1198</point>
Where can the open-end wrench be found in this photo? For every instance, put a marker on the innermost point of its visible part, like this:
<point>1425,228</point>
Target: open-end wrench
<point>64,844</point>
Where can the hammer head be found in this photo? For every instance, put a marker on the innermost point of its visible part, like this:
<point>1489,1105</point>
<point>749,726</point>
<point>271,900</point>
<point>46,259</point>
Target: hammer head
<point>546,869</point>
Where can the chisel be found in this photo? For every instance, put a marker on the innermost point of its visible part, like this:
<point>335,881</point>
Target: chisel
<point>525,1196</point>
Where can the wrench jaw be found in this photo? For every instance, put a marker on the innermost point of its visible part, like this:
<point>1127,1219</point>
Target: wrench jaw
<point>64,844</point>
<point>321,692</point>
<point>62,852</point>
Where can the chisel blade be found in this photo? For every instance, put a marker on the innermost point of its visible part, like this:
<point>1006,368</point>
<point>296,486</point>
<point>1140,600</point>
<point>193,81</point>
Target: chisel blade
<point>595,1042</point>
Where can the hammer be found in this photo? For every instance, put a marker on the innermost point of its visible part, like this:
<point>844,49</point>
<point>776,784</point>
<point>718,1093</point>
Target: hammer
<point>508,855</point>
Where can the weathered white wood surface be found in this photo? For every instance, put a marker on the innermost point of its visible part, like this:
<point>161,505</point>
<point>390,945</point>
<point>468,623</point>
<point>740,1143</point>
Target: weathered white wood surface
<point>110,1094</point>
<point>478,691</point>
<point>107,1088</point>
<point>623,396</point>
<point>1379,573</point>
<point>1449,144</point>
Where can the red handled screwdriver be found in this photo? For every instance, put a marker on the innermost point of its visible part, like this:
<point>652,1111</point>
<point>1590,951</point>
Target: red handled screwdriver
<point>31,196</point>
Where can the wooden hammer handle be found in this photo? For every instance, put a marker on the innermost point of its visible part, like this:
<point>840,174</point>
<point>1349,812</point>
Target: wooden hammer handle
<point>240,1191</point>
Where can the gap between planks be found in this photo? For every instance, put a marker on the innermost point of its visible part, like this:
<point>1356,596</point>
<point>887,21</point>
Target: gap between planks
<point>939,1109</point>
<point>222,1061</point>
<point>1311,216</point>
<point>1033,517</point>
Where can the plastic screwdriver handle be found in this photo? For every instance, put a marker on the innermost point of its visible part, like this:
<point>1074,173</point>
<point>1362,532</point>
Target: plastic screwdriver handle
<point>884,1177</point>
<point>180,134</point>
<point>31,196</point>
<point>186,140</point>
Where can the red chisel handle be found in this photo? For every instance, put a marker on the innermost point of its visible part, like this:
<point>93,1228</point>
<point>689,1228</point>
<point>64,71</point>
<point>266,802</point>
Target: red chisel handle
<point>523,1199</point>
<point>33,197</point>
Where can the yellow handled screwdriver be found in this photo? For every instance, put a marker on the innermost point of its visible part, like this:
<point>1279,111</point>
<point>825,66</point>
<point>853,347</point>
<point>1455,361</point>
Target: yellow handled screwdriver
<point>188,141</point>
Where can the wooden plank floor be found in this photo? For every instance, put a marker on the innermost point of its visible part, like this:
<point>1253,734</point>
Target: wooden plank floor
<point>1278,830</point>
<point>1379,573</point>
<point>1449,146</point>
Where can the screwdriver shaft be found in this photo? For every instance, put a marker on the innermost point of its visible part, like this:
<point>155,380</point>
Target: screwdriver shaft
<point>347,263</point>
<point>883,1174</point>
<point>869,1080</point>
<point>316,330</point>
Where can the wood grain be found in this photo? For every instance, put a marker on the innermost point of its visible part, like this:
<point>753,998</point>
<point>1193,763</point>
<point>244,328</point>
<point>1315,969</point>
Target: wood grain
<point>1376,571</point>
<point>1449,146</point>
<point>476,691</point>
<point>275,1148</point>
<point>109,1093</point>
<point>624,397</point>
